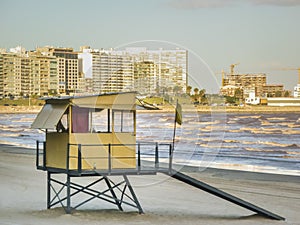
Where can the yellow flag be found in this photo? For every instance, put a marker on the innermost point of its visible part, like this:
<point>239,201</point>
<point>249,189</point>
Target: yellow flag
<point>178,116</point>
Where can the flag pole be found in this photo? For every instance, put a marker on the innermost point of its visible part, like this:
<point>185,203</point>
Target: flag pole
<point>177,119</point>
<point>174,132</point>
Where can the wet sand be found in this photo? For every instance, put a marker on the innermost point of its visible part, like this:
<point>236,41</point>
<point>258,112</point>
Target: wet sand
<point>164,200</point>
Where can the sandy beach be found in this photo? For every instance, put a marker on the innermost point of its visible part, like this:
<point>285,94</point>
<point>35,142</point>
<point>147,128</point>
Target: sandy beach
<point>164,200</point>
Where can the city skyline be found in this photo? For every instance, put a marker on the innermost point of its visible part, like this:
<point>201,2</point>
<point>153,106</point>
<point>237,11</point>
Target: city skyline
<point>59,71</point>
<point>262,36</point>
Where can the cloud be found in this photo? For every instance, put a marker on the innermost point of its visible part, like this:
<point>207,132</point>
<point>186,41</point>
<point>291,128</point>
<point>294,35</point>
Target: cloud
<point>276,2</point>
<point>199,4</point>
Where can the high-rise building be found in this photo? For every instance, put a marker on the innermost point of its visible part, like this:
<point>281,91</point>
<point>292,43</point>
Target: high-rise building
<point>44,75</point>
<point>247,82</point>
<point>59,71</point>
<point>14,73</point>
<point>171,69</point>
<point>10,69</point>
<point>145,78</point>
<point>111,71</point>
<point>70,78</point>
<point>273,90</point>
<point>126,70</point>
<point>27,73</point>
<point>116,71</point>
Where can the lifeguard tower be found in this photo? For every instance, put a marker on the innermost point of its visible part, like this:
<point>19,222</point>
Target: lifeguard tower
<point>95,137</point>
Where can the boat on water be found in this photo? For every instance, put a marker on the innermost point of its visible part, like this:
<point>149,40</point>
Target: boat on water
<point>147,105</point>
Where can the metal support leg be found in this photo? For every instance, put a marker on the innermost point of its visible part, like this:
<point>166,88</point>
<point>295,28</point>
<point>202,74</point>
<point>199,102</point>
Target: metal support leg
<point>68,194</point>
<point>133,194</point>
<point>48,189</point>
<point>118,203</point>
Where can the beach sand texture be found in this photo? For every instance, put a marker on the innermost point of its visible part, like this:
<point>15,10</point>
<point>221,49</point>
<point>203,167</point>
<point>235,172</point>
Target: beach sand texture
<point>164,200</point>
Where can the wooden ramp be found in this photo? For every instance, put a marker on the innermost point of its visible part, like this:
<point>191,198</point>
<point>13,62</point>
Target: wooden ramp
<point>221,194</point>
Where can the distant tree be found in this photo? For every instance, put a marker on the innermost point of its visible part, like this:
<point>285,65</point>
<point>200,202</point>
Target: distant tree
<point>177,89</point>
<point>278,94</point>
<point>196,91</point>
<point>188,90</point>
<point>52,92</point>
<point>202,96</point>
<point>11,97</point>
<point>202,92</point>
<point>164,90</point>
<point>34,96</point>
<point>238,93</point>
<point>286,94</point>
<point>230,99</point>
<point>157,89</point>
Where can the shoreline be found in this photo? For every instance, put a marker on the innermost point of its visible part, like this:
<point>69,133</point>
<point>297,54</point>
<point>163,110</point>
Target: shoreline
<point>171,109</point>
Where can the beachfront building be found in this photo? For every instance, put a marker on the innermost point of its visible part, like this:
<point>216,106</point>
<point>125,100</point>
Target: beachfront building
<point>254,86</point>
<point>139,69</point>
<point>252,99</point>
<point>27,73</point>
<point>14,73</point>
<point>43,75</point>
<point>145,77</point>
<point>273,90</point>
<point>115,72</point>
<point>228,90</point>
<point>247,82</point>
<point>61,71</point>
<point>86,58</point>
<point>70,78</point>
<point>10,80</point>
<point>297,91</point>
<point>171,68</point>
<point>108,70</point>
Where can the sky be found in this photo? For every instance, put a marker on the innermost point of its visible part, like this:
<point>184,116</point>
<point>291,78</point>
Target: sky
<point>261,36</point>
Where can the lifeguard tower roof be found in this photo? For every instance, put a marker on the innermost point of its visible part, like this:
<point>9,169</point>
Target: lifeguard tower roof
<point>55,107</point>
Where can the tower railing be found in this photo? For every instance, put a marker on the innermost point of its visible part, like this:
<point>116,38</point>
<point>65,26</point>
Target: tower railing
<point>149,157</point>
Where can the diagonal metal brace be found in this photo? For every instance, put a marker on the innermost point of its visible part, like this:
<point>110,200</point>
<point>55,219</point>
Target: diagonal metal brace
<point>116,197</point>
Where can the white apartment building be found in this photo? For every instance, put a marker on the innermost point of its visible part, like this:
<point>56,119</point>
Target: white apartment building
<point>138,69</point>
<point>171,66</point>
<point>297,91</point>
<point>111,71</point>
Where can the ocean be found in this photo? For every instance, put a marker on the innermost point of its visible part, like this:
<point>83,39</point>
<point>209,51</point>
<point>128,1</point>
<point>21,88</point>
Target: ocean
<point>255,142</point>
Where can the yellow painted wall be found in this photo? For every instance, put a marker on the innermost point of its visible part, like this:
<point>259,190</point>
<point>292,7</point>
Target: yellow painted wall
<point>56,150</point>
<point>94,157</point>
